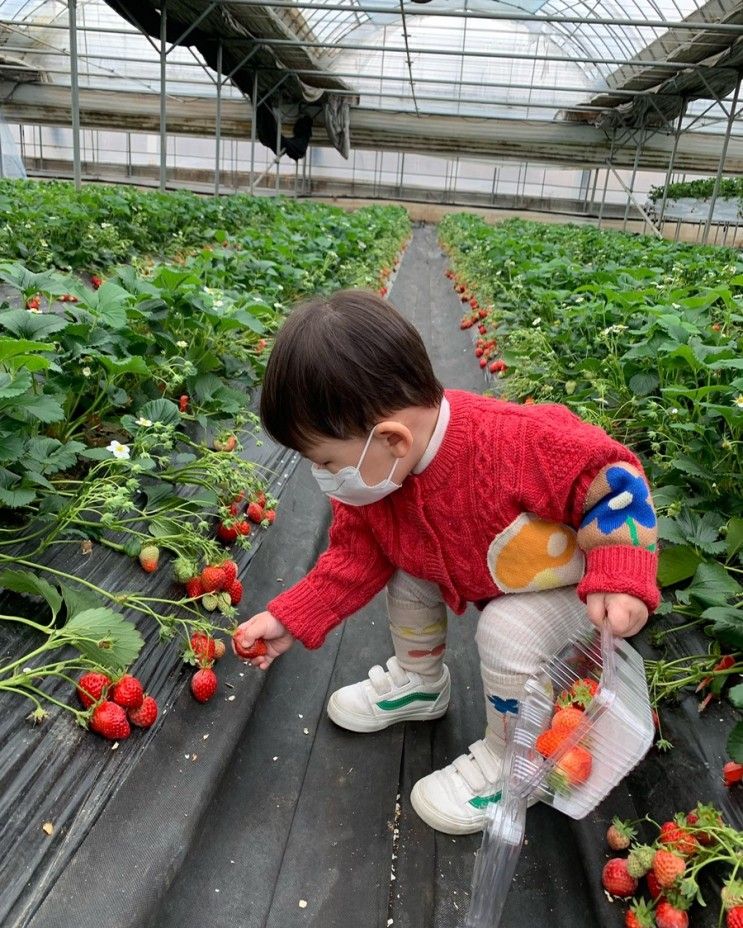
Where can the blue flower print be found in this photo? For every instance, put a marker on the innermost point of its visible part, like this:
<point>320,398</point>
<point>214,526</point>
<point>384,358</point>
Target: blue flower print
<point>627,503</point>
<point>504,705</point>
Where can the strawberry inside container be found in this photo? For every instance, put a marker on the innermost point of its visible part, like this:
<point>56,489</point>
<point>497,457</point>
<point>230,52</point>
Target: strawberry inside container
<point>587,753</point>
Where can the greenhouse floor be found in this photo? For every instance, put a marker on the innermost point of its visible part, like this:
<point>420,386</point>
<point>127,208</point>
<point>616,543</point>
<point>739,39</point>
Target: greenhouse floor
<point>258,811</point>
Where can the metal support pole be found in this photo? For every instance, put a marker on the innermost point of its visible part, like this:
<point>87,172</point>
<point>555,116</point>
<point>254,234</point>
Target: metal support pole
<point>638,149</point>
<point>402,175</point>
<point>606,180</point>
<point>75,92</point>
<point>592,195</point>
<point>279,149</point>
<point>218,133</point>
<point>670,165</point>
<point>128,154</point>
<point>252,133</point>
<point>163,100</point>
<point>642,212</point>
<point>723,155</point>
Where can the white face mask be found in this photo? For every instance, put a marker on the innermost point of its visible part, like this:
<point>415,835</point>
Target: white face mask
<point>348,486</point>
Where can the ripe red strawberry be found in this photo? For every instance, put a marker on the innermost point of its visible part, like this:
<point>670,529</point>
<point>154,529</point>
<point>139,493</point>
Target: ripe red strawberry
<point>128,692</point>
<point>257,649</point>
<point>732,773</point>
<point>668,916</point>
<point>110,721</point>
<point>483,362</point>
<point>270,516</point>
<point>230,572</point>
<point>261,499</point>
<point>194,587</point>
<point>242,527</point>
<point>654,887</point>
<point>668,867</point>
<point>219,649</point>
<point>149,557</point>
<point>677,838</point>
<point>204,684</point>
<point>91,686</point>
<point>473,303</point>
<point>549,741</point>
<point>616,880</point>
<point>212,579</point>
<point>255,513</point>
<point>481,329</point>
<point>479,352</point>
<point>567,719</point>
<point>235,590</point>
<point>227,533</point>
<point>145,716</point>
<point>202,646</point>
<point>96,281</point>
<point>575,766</point>
<point>734,917</point>
<point>619,834</point>
<point>639,915</point>
<point>183,402</point>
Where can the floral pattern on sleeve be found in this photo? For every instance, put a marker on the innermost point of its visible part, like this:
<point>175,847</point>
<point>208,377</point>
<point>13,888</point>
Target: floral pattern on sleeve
<point>618,510</point>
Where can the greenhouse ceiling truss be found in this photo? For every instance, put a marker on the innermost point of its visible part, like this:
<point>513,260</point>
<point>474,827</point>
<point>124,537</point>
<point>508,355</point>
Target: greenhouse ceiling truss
<point>636,112</point>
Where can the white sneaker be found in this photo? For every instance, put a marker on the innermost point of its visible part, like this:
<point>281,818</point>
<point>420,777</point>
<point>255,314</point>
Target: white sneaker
<point>386,697</point>
<point>456,799</point>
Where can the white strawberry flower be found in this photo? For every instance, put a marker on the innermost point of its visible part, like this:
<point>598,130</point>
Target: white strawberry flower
<point>119,451</point>
<point>738,401</point>
<point>181,344</point>
<point>143,422</point>
<point>86,372</point>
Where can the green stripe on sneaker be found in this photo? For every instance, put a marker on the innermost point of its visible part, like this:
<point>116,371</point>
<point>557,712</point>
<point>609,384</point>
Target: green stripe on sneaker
<point>389,704</point>
<point>482,802</point>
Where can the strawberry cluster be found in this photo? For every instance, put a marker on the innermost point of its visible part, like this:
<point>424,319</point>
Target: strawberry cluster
<point>237,523</point>
<point>217,586</point>
<point>115,705</point>
<point>204,651</point>
<point>485,348</point>
<point>670,867</point>
<point>385,274</point>
<point>575,765</point>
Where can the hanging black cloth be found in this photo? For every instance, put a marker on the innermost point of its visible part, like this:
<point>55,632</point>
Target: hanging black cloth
<point>294,146</point>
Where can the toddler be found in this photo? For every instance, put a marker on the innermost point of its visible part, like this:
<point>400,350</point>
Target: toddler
<point>447,498</point>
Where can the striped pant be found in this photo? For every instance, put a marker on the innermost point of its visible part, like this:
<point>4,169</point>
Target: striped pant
<point>515,633</point>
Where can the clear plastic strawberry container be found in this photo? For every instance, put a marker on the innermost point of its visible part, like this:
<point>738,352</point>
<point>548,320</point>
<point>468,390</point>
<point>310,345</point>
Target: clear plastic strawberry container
<point>616,730</point>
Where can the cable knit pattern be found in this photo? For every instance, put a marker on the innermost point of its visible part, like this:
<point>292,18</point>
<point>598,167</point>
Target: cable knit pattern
<point>497,461</point>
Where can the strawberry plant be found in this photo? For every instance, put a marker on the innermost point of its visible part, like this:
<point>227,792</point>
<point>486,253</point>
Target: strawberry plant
<point>643,338</point>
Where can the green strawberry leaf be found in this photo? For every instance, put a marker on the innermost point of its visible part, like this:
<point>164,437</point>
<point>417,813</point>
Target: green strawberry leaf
<point>735,744</point>
<point>104,636</point>
<point>735,695</point>
<point>677,563</point>
<point>20,581</point>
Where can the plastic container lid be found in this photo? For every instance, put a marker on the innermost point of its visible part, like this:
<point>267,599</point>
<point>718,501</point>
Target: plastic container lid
<point>617,731</point>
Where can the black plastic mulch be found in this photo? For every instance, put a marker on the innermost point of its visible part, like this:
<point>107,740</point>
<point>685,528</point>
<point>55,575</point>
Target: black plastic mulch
<point>278,818</point>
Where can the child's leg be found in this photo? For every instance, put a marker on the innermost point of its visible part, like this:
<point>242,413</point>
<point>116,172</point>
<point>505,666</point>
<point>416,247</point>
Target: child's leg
<point>417,617</point>
<point>514,635</point>
<point>416,684</point>
<point>516,632</point>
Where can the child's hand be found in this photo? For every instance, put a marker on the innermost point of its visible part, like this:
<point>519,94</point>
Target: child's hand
<point>265,626</point>
<point>626,613</point>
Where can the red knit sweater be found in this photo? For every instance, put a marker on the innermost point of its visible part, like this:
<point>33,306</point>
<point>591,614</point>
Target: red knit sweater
<point>497,461</point>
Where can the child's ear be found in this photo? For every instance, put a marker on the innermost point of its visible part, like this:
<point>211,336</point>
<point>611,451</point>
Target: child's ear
<point>399,438</point>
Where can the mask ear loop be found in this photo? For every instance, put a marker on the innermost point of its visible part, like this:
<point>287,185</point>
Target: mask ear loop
<point>363,455</point>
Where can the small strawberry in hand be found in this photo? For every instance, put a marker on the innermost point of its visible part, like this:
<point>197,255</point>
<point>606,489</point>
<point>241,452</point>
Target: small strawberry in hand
<point>91,686</point>
<point>204,684</point>
<point>257,649</point>
<point>128,692</point>
<point>145,716</point>
<point>619,835</point>
<point>616,879</point>
<point>149,557</point>
<point>109,720</point>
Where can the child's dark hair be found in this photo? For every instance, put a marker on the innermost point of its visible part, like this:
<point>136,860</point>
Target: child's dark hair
<point>340,364</point>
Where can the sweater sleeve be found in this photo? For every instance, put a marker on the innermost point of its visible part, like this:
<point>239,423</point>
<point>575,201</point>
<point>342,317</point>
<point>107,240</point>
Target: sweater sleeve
<point>345,578</point>
<point>574,473</point>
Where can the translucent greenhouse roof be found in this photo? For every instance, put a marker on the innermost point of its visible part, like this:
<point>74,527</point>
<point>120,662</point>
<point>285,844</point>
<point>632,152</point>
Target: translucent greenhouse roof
<point>546,60</point>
